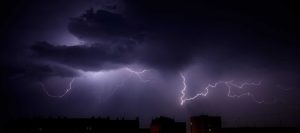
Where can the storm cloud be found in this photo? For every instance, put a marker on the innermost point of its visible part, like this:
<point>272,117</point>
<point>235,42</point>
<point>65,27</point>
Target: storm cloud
<point>172,36</point>
<point>97,43</point>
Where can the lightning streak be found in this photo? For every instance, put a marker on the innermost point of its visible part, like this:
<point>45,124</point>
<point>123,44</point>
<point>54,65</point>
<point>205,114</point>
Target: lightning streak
<point>229,85</point>
<point>58,96</point>
<point>138,73</point>
<point>183,99</point>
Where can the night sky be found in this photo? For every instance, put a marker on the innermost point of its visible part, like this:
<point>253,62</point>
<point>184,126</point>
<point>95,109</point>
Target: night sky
<point>146,58</point>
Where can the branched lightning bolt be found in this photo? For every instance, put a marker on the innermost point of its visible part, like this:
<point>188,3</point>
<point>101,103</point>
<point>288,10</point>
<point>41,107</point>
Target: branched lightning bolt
<point>138,73</point>
<point>229,85</point>
<point>58,96</point>
<point>199,94</point>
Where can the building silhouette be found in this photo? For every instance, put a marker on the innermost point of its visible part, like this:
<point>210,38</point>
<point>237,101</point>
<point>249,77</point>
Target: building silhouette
<point>144,130</point>
<point>205,124</point>
<point>197,124</point>
<point>167,125</point>
<point>80,125</point>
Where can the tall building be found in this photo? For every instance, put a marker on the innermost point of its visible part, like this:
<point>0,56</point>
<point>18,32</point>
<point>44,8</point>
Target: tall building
<point>167,125</point>
<point>205,124</point>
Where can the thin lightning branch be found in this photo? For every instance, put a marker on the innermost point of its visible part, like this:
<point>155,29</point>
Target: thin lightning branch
<point>229,85</point>
<point>58,96</point>
<point>242,85</point>
<point>138,73</point>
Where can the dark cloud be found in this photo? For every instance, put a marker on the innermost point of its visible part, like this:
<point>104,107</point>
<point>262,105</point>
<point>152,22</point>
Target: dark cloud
<point>94,57</point>
<point>171,36</point>
<point>113,40</point>
<point>36,71</point>
<point>101,25</point>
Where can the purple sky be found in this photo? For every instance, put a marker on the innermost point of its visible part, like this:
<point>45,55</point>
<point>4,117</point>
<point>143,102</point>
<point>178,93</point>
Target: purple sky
<point>133,58</point>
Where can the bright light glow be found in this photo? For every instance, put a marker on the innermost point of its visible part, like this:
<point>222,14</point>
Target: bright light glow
<point>92,74</point>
